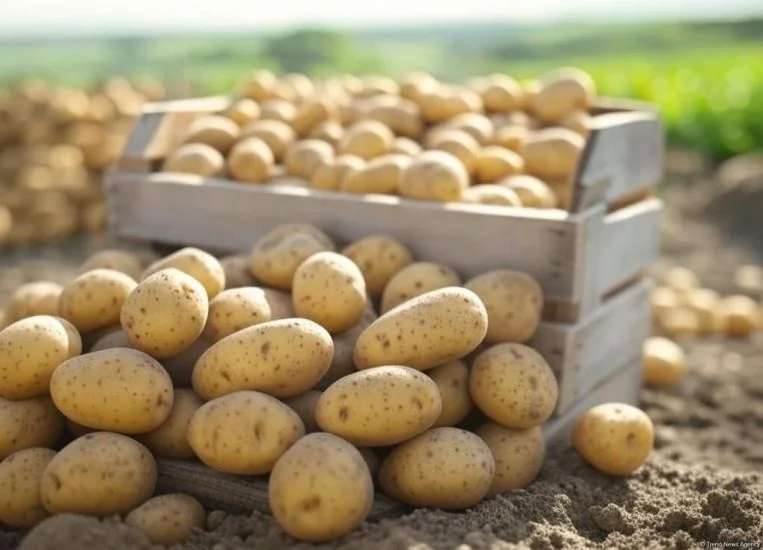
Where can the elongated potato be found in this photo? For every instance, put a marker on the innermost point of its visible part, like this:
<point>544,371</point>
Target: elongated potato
<point>519,455</point>
<point>488,193</point>
<point>216,131</point>
<point>27,423</point>
<point>195,158</point>
<point>560,93</point>
<point>552,153</point>
<point>381,176</point>
<point>532,192</point>
<point>332,175</point>
<point>379,258</point>
<point>20,477</point>
<point>494,163</point>
<point>452,381</point>
<point>415,279</point>
<point>197,263</point>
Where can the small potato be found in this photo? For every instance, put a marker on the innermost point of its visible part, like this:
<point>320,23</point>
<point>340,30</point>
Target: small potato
<point>170,438</point>
<point>20,476</point>
<point>379,406</point>
<point>82,385</point>
<point>552,153</point>
<point>30,299</point>
<point>561,92</point>
<point>76,344</point>
<point>237,271</point>
<point>197,263</point>
<point>250,161</point>
<point>168,519</point>
<point>681,279</point>
<point>236,309</point>
<point>514,303</point>
<point>488,193</point>
<point>749,278</point>
<point>514,386</point>
<point>27,423</point>
<point>313,111</point>
<point>283,358</point>
<point>331,176</point>
<point>664,362</point>
<point>195,158</point>
<point>242,111</point>
<point>458,143</point>
<point>304,406</point>
<point>342,362</point>
<point>577,121</point>
<point>405,146</point>
<point>166,313</point>
<point>180,366</point>
<point>93,300</point>
<point>320,489</point>
<point>532,192</point>
<point>279,110</point>
<point>510,137</point>
<point>437,327</point>
<point>435,176</point>
<point>452,380</point>
<point>614,438</point>
<point>366,139</point>
<point>494,163</point>
<point>329,131</point>
<point>114,259</point>
<point>217,131</point>
<point>662,299</point>
<point>98,474</point>
<point>380,175</point>
<point>475,124</point>
<point>519,456</point>
<point>680,322</point>
<point>277,255</point>
<point>303,158</point>
<point>415,279</point>
<point>445,468</point>
<point>501,94</point>
<point>404,118</point>
<point>379,258</point>
<point>114,339</point>
<point>276,134</point>
<point>244,432</point>
<point>741,315</point>
<point>706,303</point>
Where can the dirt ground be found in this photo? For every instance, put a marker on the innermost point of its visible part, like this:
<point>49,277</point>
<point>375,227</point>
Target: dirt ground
<point>702,486</point>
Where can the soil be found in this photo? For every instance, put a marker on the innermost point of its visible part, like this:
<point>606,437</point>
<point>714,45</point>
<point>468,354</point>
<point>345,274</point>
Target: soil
<point>702,485</point>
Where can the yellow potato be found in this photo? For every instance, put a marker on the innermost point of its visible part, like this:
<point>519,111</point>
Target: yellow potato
<point>749,278</point>
<point>372,460</point>
<point>444,468</point>
<point>283,358</point>
<point>403,117</point>
<point>195,158</point>
<point>329,131</point>
<point>180,366</point>
<point>532,192</point>
<point>244,432</point>
<point>514,386</point>
<point>475,124</point>
<point>30,350</point>
<point>681,322</point>
<point>413,85</point>
<point>578,121</point>
<point>237,271</point>
<point>681,279</point>
<point>166,313</point>
<point>458,143</point>
<point>276,134</point>
<point>501,94</point>
<point>27,423</point>
<point>217,131</point>
<point>379,406</point>
<point>519,455</point>
<point>415,279</point>
<point>277,255</point>
<point>259,86</point>
<point>380,175</point>
<point>664,362</point>
<point>614,438</point>
<point>30,299</point>
<point>76,344</point>
<point>494,163</point>
<point>331,176</point>
<point>303,158</point>
<point>329,288</point>
<point>514,303</point>
<point>99,474</point>
<point>279,110</point>
<point>706,303</point>
<point>342,362</point>
<point>114,259</point>
<point>197,263</point>
<point>6,223</point>
<point>452,381</point>
<point>379,258</point>
<point>320,489</point>
<point>170,438</point>
<point>435,176</point>
<point>113,339</point>
<point>552,153</point>
<point>488,193</point>
<point>168,519</point>
<point>741,315</point>
<point>366,139</point>
<point>510,136</point>
<point>242,111</point>
<point>311,112</point>
<point>561,92</point>
<point>662,299</point>
<point>437,327</point>
<point>250,161</point>
<point>304,406</point>
<point>236,309</point>
<point>20,476</point>
<point>93,300</point>
<point>405,146</point>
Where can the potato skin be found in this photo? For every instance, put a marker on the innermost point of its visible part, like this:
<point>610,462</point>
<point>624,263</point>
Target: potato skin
<point>304,406</point>
<point>414,280</point>
<point>449,323</point>
<point>434,176</point>
<point>31,299</point>
<point>614,438</point>
<point>664,362</point>
<point>342,362</point>
<point>120,390</point>
<point>444,468</point>
<point>20,476</point>
<point>180,366</point>
<point>168,519</point>
<point>94,299</point>
<point>195,158</point>
<point>244,432</point>
<point>514,386</point>
<point>27,423</point>
<point>170,438</point>
<point>234,310</point>
<point>237,272</point>
<point>197,263</point>
<point>98,474</point>
<point>519,455</point>
<point>379,406</point>
<point>166,313</point>
<point>379,258</point>
<point>452,381</point>
<point>114,259</point>
<point>321,488</point>
<point>283,358</point>
<point>552,153</point>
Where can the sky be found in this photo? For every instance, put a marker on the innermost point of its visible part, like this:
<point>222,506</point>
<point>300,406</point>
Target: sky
<point>19,16</point>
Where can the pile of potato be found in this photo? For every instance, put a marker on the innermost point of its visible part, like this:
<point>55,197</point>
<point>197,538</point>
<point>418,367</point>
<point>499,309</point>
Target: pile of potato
<point>338,371</point>
<point>54,145</point>
<point>492,140</point>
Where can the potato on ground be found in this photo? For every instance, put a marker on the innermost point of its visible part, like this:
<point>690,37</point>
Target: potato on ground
<point>445,468</point>
<point>20,477</point>
<point>98,474</point>
<point>166,313</point>
<point>342,362</point>
<point>415,279</point>
<point>532,192</point>
<point>276,134</point>
<point>514,386</point>
<point>304,406</point>
<point>552,153</point>
<point>614,438</point>
<point>706,303</point>
<point>114,259</point>
<point>283,358</point>
<point>236,309</point>
<point>217,131</point>
<point>494,163</point>
<point>302,158</point>
<point>379,406</point>
<point>250,161</point>
<point>488,193</point>
<point>741,315</point>
<point>681,279</point>
<point>452,381</point>
<point>662,299</point>
<point>664,362</point>
<point>434,176</point>
<point>170,438</point>
<point>379,258</point>
<point>27,423</point>
<point>332,175</point>
<point>320,489</point>
<point>168,519</point>
<point>197,263</point>
<point>30,299</point>
<point>682,322</point>
<point>195,158</point>
<point>519,455</point>
<point>93,300</point>
<point>380,176</point>
<point>244,432</point>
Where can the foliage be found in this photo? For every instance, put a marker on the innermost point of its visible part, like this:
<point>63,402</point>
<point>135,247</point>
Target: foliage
<point>305,51</point>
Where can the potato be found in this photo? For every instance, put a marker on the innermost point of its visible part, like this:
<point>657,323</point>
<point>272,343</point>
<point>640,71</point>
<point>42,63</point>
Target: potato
<point>197,263</point>
<point>237,272</point>
<point>475,124</point>
<point>279,110</point>
<point>342,362</point>
<point>681,279</point>
<point>30,299</point>
<point>27,423</point>
<point>331,176</point>
<point>99,474</point>
<point>304,406</point>
<point>20,476</point>
<point>283,358</point>
<point>236,309</point>
<point>379,258</point>
<point>437,327</point>
<point>250,161</point>
<point>277,255</point>
<point>242,111</point>
<point>561,92</point>
<point>403,118</point>
<point>302,158</point>
<point>577,121</point>
<point>217,131</point>
<point>510,137</point>
<point>680,322</point>
<point>444,468</point>
<point>379,406</point>
<point>519,455</point>
<point>494,163</point>
<point>501,94</point>
<point>166,313</point>
<point>614,438</point>
<point>6,223</point>
<point>329,131</point>
<point>311,112</point>
<point>170,438</point>
<point>492,194</point>
<point>116,338</point>
<point>276,134</point>
<point>93,300</point>
<point>436,176</point>
<point>169,518</point>
<point>662,299</point>
<point>664,362</point>
<point>552,153</point>
<point>301,84</point>
<point>195,158</point>
<point>741,315</point>
<point>366,139</point>
<point>244,432</point>
<point>180,366</point>
<point>514,386</point>
<point>413,85</point>
<point>458,143</point>
<point>30,350</point>
<point>114,259</point>
<point>706,303</point>
<point>452,381</point>
<point>405,146</point>
<point>259,86</point>
<point>415,279</point>
<point>371,458</point>
<point>532,192</point>
<point>749,278</point>
<point>380,175</point>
